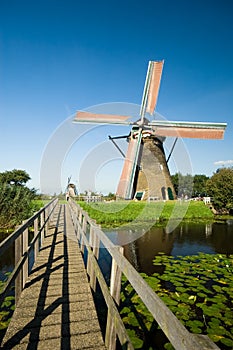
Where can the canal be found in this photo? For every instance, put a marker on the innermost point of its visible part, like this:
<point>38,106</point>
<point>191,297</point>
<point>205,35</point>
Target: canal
<point>188,238</point>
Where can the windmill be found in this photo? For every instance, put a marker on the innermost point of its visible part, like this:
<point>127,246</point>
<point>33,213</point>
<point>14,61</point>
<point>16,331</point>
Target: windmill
<point>145,172</point>
<point>71,190</point>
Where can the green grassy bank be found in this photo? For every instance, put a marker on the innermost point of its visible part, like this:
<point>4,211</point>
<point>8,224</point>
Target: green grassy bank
<point>118,213</point>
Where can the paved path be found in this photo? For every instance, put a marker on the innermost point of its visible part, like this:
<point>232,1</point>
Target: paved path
<point>56,308</point>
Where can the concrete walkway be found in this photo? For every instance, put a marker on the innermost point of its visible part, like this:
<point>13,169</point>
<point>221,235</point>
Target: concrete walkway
<point>56,308</point>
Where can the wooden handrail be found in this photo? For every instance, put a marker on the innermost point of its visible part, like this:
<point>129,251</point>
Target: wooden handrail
<point>178,335</point>
<point>22,248</point>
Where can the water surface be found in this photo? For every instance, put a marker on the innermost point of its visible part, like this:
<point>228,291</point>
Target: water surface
<point>187,239</point>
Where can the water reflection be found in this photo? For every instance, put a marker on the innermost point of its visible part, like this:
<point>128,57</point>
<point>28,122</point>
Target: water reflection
<point>186,239</point>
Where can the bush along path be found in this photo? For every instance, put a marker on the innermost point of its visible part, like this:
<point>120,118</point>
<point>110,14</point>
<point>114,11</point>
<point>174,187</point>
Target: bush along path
<point>199,291</point>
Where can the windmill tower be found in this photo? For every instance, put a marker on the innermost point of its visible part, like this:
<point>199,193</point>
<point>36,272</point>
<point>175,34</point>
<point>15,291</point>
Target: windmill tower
<point>145,173</point>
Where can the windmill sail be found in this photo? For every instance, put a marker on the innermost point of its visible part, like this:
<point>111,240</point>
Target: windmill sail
<point>126,183</point>
<point>151,88</point>
<point>157,68</point>
<point>96,118</point>
<point>197,130</point>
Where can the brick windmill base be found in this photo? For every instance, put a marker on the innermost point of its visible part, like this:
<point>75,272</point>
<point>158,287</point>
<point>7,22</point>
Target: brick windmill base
<point>153,180</point>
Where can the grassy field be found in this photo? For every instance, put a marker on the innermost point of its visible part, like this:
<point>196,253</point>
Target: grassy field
<point>110,214</point>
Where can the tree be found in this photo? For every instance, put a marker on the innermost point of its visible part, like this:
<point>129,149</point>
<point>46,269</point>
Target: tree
<point>183,184</point>
<point>220,188</point>
<point>199,185</point>
<point>110,196</point>
<point>192,186</point>
<point>15,198</point>
<point>14,177</point>
<point>175,182</point>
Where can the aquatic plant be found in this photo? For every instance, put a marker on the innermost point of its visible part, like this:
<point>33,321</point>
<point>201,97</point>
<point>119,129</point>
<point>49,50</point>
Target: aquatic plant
<point>199,291</point>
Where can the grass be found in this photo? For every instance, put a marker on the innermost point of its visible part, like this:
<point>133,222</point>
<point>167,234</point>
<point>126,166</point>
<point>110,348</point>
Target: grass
<point>112,214</point>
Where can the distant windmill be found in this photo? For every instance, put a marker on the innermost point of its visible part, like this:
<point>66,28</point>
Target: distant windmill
<point>145,173</point>
<point>71,190</point>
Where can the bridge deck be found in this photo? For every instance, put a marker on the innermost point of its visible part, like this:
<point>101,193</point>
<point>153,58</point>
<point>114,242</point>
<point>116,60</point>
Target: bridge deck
<point>56,308</point>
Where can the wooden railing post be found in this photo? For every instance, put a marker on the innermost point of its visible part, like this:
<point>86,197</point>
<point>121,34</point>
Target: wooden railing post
<point>84,229</point>
<point>91,239</point>
<point>80,217</point>
<point>115,279</point>
<point>96,245</point>
<point>25,248</point>
<point>36,245</point>
<point>19,278</point>
<point>46,213</point>
<point>42,220</point>
<point>115,290</point>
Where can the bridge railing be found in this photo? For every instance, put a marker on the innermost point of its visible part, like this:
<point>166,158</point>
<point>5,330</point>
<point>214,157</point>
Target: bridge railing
<point>91,237</point>
<point>24,251</point>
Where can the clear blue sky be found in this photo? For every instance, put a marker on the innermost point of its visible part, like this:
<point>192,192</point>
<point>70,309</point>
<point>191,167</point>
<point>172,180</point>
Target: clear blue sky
<point>60,56</point>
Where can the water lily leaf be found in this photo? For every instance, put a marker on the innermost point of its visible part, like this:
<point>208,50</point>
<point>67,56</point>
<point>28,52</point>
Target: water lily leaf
<point>181,289</point>
<point>222,282</point>
<point>6,303</point>
<point>196,330</point>
<point>215,321</point>
<point>4,325</point>
<point>168,346</point>
<point>226,341</point>
<point>168,301</point>
<point>217,288</point>
<point>202,295</point>
<point>137,342</point>
<point>215,337</point>
<point>195,323</point>
<point>125,310</point>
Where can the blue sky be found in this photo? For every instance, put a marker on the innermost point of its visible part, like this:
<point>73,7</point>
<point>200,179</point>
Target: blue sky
<point>60,56</point>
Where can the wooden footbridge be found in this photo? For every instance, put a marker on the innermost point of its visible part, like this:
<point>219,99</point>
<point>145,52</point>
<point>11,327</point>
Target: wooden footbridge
<point>54,297</point>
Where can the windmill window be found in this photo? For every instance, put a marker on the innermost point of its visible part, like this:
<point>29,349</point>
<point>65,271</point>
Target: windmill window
<point>139,195</point>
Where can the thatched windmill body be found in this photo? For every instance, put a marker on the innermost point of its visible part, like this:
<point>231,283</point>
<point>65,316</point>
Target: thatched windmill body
<point>145,173</point>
